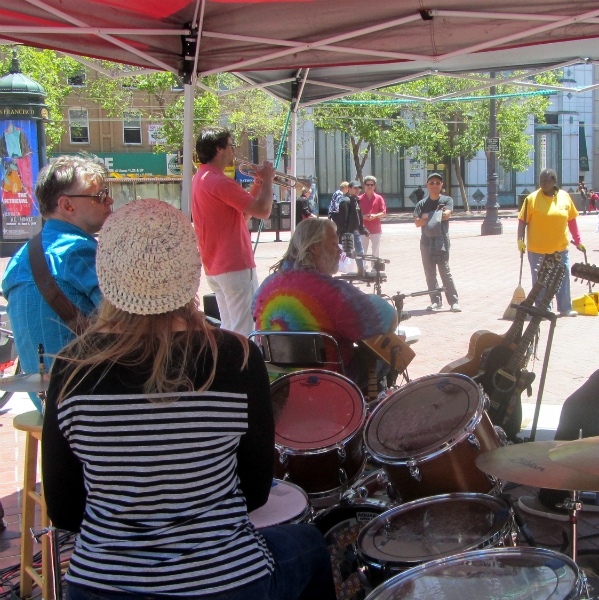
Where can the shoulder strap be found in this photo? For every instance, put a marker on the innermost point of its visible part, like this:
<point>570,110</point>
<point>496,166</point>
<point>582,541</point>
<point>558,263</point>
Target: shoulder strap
<point>49,289</point>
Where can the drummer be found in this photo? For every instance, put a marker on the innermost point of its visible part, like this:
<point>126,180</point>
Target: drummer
<point>74,201</point>
<point>159,437</point>
<point>301,294</point>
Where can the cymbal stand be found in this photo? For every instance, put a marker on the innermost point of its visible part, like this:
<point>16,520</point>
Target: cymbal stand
<point>399,298</point>
<point>552,318</point>
<point>42,371</point>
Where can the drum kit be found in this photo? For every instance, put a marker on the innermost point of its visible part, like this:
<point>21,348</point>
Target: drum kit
<point>407,495</point>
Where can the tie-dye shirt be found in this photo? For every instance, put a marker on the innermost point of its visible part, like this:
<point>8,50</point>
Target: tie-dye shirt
<point>307,300</point>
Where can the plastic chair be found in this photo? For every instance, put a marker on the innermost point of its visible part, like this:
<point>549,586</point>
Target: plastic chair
<point>299,350</point>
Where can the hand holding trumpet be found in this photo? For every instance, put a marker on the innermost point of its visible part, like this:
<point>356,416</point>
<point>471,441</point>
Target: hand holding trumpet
<point>264,172</point>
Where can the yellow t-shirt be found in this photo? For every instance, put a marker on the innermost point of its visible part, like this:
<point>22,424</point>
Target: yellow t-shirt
<point>547,221</point>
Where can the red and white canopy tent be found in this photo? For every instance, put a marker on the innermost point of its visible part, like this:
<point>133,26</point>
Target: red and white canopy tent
<point>312,50</point>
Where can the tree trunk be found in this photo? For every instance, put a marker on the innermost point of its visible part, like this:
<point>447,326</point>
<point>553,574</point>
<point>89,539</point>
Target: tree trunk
<point>359,161</point>
<point>458,172</point>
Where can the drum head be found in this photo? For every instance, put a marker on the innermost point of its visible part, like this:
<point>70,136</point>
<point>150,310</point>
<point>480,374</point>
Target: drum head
<point>433,528</point>
<point>500,574</point>
<point>286,502</point>
<point>315,409</point>
<point>427,414</point>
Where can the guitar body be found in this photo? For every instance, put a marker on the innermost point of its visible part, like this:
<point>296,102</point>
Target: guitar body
<point>392,349</point>
<point>470,364</point>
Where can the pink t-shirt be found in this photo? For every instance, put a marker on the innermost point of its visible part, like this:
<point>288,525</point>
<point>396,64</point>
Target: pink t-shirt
<point>372,207</point>
<point>217,205</point>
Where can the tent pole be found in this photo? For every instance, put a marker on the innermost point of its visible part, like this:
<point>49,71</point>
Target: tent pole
<point>293,166</point>
<point>187,148</point>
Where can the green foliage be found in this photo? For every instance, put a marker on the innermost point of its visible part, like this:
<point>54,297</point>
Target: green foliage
<point>50,70</point>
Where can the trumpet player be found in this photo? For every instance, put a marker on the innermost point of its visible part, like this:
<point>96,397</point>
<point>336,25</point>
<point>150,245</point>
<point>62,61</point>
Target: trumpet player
<point>220,209</point>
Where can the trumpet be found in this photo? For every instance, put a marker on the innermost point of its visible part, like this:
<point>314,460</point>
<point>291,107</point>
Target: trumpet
<point>282,179</point>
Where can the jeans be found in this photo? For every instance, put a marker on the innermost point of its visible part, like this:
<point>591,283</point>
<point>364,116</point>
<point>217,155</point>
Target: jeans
<point>430,265</point>
<point>562,297</point>
<point>302,572</point>
<point>359,250</point>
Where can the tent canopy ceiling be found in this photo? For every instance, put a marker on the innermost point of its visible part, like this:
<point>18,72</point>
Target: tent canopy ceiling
<point>337,46</point>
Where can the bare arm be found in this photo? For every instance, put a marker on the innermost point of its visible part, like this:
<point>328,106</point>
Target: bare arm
<point>261,205</point>
<point>421,221</point>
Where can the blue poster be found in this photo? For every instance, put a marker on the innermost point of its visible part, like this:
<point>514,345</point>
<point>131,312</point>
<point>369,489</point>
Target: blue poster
<point>19,167</point>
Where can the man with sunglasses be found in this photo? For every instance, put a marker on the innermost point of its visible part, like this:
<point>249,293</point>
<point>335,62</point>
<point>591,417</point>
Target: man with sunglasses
<point>432,215</point>
<point>75,202</point>
<point>373,208</point>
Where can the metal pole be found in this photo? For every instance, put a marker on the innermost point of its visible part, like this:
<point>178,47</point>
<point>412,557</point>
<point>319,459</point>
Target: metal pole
<point>188,93</point>
<point>293,165</point>
<point>491,224</point>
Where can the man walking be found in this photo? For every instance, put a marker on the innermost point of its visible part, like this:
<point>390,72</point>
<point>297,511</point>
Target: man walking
<point>220,210</point>
<point>74,200</point>
<point>350,221</point>
<point>373,208</point>
<point>432,215</point>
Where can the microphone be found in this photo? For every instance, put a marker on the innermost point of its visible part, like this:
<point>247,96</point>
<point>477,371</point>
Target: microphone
<point>347,244</point>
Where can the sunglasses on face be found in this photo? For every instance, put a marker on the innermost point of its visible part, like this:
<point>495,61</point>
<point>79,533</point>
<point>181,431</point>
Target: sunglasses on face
<point>99,197</point>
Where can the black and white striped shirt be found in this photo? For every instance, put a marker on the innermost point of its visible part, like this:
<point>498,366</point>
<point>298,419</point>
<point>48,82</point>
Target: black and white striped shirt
<point>164,511</point>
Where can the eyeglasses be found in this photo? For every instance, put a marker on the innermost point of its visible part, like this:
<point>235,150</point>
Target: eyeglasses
<point>434,183</point>
<point>99,197</point>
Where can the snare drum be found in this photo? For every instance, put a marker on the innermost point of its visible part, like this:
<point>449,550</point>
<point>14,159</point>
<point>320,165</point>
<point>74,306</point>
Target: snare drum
<point>340,526</point>
<point>287,503</point>
<point>431,529</point>
<point>428,434</point>
<point>498,574</point>
<point>319,418</point>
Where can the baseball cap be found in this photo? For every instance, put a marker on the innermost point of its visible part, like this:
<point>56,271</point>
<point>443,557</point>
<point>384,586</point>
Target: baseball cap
<point>355,183</point>
<point>434,175</point>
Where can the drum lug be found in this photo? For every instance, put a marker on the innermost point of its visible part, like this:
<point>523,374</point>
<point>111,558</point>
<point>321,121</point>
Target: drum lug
<point>343,479</point>
<point>474,441</point>
<point>414,470</point>
<point>486,399</point>
<point>283,458</point>
<point>501,434</point>
<point>392,493</point>
<point>341,453</point>
<point>286,477</point>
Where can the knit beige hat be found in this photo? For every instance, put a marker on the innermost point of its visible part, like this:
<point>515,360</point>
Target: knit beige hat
<point>148,261</point>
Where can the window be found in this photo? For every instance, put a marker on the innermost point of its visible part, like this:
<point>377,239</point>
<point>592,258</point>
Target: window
<point>77,80</point>
<point>131,128</point>
<point>78,126</point>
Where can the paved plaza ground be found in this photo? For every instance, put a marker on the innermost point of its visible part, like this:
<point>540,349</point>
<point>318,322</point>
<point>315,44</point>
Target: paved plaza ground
<point>485,270</point>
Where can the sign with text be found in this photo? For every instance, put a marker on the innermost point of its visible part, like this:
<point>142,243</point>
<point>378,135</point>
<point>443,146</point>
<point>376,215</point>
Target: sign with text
<point>492,144</point>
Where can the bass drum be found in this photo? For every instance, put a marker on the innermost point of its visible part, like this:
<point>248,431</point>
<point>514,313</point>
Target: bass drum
<point>428,434</point>
<point>319,419</point>
<point>287,503</point>
<point>499,573</point>
<point>431,529</point>
<point>340,526</point>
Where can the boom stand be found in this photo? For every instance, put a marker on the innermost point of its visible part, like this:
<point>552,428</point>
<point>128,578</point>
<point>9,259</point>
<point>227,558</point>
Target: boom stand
<point>552,318</point>
<point>399,298</point>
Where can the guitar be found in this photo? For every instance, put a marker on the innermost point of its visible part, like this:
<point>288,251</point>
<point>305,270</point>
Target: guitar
<point>483,340</point>
<point>585,271</point>
<point>503,379</point>
<point>393,350</point>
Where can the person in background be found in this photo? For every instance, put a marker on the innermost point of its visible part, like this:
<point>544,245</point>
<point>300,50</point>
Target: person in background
<point>220,209</point>
<point>593,200</point>
<point>303,210</point>
<point>584,196</point>
<point>432,214</point>
<point>373,209</point>
<point>158,438</point>
<point>547,214</point>
<point>74,200</point>
<point>335,199</point>
<point>419,193</point>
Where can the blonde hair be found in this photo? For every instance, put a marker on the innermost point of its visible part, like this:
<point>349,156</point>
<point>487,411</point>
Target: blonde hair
<point>139,338</point>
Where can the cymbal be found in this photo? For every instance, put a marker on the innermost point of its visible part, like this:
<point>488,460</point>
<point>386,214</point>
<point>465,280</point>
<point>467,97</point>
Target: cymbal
<point>30,382</point>
<point>529,464</point>
<point>582,455</point>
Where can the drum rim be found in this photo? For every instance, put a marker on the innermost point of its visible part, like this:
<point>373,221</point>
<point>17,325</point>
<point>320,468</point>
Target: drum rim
<point>499,532</point>
<point>445,445</point>
<point>299,451</point>
<point>414,572</point>
<point>301,516</point>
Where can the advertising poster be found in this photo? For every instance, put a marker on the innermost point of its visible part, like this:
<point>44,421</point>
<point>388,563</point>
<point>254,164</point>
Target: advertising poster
<point>19,166</point>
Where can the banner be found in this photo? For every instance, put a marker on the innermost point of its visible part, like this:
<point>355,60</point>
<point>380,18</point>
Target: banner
<point>19,167</point>
<point>583,155</point>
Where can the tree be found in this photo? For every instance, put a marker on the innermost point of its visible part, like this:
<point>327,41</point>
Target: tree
<point>363,118</point>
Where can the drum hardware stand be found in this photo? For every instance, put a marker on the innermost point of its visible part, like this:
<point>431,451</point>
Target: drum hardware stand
<point>519,521</point>
<point>399,298</point>
<point>54,543</point>
<point>377,278</point>
<point>552,318</point>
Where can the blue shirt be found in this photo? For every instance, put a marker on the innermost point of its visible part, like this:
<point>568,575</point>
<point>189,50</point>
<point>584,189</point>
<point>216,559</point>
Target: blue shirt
<point>71,256</point>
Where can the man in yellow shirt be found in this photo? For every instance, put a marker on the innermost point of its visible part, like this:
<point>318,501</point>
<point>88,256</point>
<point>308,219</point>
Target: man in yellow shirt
<point>547,215</point>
